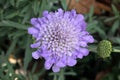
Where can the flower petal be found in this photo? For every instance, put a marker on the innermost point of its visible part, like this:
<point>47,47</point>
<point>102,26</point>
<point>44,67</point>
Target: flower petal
<point>32,30</point>
<point>71,62</point>
<point>45,13</point>
<point>80,55</point>
<point>79,17</point>
<point>60,64</point>
<point>33,21</point>
<point>84,51</point>
<point>48,63</point>
<point>55,68</point>
<point>88,38</point>
<point>36,55</point>
<point>83,44</point>
<point>60,11</point>
<point>66,15</point>
<point>73,13</point>
<point>35,45</point>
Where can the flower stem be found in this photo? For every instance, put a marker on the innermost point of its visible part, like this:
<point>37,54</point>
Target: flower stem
<point>116,50</point>
<point>55,77</point>
<point>61,75</point>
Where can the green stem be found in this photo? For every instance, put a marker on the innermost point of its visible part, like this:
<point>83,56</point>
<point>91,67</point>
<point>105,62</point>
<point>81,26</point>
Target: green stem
<point>55,77</point>
<point>93,48</point>
<point>61,75</point>
<point>116,50</point>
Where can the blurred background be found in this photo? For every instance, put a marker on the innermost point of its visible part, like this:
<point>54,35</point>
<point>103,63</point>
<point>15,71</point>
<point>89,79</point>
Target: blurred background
<point>16,62</point>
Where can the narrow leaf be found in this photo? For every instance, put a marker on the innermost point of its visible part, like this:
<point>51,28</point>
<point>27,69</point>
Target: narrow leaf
<point>12,2</point>
<point>11,48</point>
<point>12,15</point>
<point>35,6</point>
<point>115,10</point>
<point>114,27</point>
<point>64,4</point>
<point>13,24</point>
<point>90,15</point>
<point>101,32</point>
<point>28,56</point>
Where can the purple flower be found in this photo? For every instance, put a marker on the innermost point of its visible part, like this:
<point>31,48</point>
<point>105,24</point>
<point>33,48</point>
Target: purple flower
<point>60,38</point>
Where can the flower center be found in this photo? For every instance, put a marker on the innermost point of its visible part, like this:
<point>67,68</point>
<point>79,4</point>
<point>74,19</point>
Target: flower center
<point>60,37</point>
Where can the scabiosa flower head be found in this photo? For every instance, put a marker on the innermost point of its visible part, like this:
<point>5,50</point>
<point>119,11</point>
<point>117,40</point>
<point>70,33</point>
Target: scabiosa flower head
<point>60,38</point>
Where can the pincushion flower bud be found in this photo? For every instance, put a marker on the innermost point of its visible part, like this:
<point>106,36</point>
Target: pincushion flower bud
<point>104,48</point>
<point>60,38</point>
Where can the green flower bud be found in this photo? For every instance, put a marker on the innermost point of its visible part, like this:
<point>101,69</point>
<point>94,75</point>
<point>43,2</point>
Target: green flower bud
<point>104,48</point>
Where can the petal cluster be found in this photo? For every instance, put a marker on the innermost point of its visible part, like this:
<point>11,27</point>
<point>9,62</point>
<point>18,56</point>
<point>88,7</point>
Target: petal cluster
<point>60,38</point>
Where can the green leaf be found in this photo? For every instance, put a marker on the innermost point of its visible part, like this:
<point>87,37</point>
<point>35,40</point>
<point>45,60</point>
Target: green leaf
<point>90,15</point>
<point>64,4</point>
<point>1,72</point>
<point>13,24</point>
<point>1,14</point>
<point>25,9</point>
<point>116,40</point>
<point>11,48</point>
<point>70,73</point>
<point>44,5</point>
<point>42,71</point>
<point>115,10</point>
<point>6,5</point>
<point>30,76</point>
<point>20,3</point>
<point>12,2</point>
<point>35,77</point>
<point>27,16</point>
<point>12,15</point>
<point>34,66</point>
<point>35,6</point>
<point>101,32</point>
<point>28,53</point>
<point>91,26</point>
<point>114,27</point>
<point>17,34</point>
<point>110,19</point>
